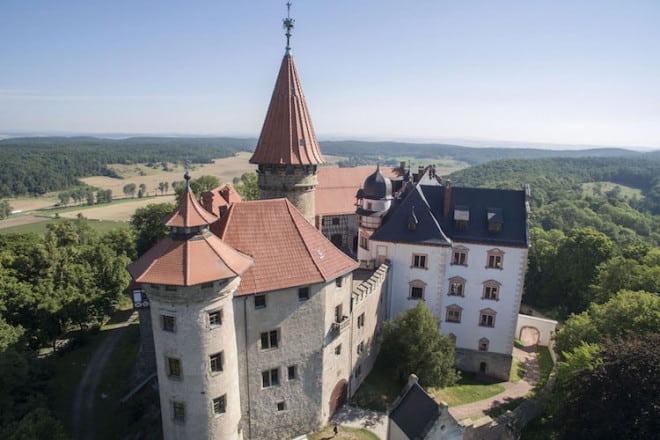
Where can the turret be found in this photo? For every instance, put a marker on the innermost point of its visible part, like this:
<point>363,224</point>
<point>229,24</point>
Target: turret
<point>374,201</point>
<point>287,151</point>
<point>190,277</point>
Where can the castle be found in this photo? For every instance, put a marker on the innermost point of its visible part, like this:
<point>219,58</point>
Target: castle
<point>262,327</point>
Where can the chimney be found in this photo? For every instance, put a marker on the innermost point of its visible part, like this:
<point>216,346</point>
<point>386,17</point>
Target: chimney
<point>420,170</point>
<point>402,165</point>
<point>447,202</point>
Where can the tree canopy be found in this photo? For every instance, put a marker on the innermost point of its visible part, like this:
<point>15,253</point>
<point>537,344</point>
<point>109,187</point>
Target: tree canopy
<point>412,343</point>
<point>147,225</point>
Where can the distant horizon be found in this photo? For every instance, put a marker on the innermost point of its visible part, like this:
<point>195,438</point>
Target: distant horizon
<point>560,73</point>
<point>461,142</point>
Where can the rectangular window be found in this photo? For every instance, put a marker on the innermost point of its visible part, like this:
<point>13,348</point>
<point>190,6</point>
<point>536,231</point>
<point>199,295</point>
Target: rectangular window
<point>291,372</point>
<point>173,368</point>
<point>360,347</point>
<point>281,406</point>
<point>338,350</point>
<point>339,313</point>
<point>215,318</point>
<point>179,411</point>
<point>270,378</point>
<point>168,323</point>
<point>495,259</point>
<point>490,292</point>
<point>207,285</point>
<point>303,293</point>
<point>220,404</point>
<point>259,301</point>
<point>487,320</point>
<point>364,242</point>
<point>360,321</point>
<point>459,258</point>
<point>269,339</point>
<point>217,361</point>
<point>456,288</point>
<point>453,315</point>
<point>170,288</point>
<point>416,293</point>
<point>419,261</point>
<point>339,281</point>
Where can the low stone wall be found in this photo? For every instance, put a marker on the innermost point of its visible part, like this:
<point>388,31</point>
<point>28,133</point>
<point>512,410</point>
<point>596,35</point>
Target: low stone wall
<point>498,365</point>
<point>545,327</point>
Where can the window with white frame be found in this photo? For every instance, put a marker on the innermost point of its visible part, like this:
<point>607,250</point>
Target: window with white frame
<point>491,290</point>
<point>215,318</point>
<point>419,261</point>
<point>495,259</point>
<point>456,286</point>
<point>453,313</point>
<point>487,318</point>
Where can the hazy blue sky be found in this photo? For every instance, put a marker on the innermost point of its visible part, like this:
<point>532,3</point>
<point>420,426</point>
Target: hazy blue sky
<point>578,72</point>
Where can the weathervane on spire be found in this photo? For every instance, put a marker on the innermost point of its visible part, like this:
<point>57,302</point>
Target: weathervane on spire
<point>288,25</point>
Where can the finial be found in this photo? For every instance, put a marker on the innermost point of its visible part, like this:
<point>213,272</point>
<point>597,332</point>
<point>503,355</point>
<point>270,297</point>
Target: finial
<point>187,178</point>
<point>288,25</point>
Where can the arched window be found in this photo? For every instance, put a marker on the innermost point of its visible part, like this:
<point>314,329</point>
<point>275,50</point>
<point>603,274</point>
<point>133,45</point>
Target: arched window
<point>416,290</point>
<point>491,290</point>
<point>456,286</point>
<point>483,344</point>
<point>487,318</point>
<point>495,259</point>
<point>453,313</point>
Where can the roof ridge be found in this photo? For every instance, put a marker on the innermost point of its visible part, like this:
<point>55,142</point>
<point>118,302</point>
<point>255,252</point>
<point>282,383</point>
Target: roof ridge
<point>289,205</point>
<point>435,220</point>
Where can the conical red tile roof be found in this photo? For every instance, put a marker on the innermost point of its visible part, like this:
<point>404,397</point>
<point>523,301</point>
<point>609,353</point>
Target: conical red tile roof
<point>189,213</point>
<point>287,136</point>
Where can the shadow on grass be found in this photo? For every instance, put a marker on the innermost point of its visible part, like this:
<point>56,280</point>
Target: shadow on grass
<point>119,317</point>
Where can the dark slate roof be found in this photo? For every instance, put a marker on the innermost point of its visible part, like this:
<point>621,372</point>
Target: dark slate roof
<point>434,228</point>
<point>377,186</point>
<point>426,231</point>
<point>416,412</point>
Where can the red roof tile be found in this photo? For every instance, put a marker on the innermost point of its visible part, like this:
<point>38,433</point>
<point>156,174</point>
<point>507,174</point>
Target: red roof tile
<point>200,259</point>
<point>189,213</point>
<point>335,193</point>
<point>287,136</point>
<point>287,250</point>
<point>219,197</point>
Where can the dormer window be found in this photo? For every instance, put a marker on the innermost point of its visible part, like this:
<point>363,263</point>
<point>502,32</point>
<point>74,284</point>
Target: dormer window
<point>495,219</point>
<point>461,217</point>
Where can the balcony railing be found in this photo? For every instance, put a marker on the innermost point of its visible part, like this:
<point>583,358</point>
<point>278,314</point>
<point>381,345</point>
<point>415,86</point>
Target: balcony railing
<point>339,327</point>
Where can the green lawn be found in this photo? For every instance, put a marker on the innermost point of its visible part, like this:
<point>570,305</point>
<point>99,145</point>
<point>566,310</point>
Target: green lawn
<point>344,433</point>
<point>545,365</point>
<point>467,390</point>
<point>102,226</point>
<point>378,390</point>
<point>517,371</point>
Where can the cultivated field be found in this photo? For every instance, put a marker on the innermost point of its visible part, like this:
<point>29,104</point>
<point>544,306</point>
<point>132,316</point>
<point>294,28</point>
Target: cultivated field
<point>116,211</point>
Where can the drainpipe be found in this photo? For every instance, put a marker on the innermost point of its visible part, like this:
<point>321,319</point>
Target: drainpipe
<point>247,367</point>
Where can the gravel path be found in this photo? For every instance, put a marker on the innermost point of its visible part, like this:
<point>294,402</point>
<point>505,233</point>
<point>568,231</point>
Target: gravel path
<point>83,402</point>
<point>527,357</point>
<point>355,417</point>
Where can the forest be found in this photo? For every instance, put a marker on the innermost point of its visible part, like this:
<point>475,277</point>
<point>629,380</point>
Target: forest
<point>36,165</point>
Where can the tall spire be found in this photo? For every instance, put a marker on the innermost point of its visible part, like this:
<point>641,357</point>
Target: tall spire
<point>288,25</point>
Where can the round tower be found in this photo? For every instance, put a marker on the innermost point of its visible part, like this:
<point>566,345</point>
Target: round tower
<point>287,151</point>
<point>190,278</point>
<point>374,201</point>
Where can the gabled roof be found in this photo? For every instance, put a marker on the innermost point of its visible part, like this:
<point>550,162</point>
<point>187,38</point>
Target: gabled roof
<point>189,213</point>
<point>433,225</point>
<point>220,197</point>
<point>337,187</point>
<point>286,249</point>
<point>415,412</point>
<point>189,261</point>
<point>287,136</point>
<point>427,229</point>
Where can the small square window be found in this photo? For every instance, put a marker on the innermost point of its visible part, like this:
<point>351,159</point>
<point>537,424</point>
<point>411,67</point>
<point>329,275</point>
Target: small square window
<point>259,301</point>
<point>220,404</point>
<point>419,261</point>
<point>338,349</point>
<point>291,372</point>
<point>281,406</point>
<point>303,293</point>
<point>168,323</point>
<point>416,293</point>
<point>179,411</point>
<point>339,281</point>
<point>215,318</point>
<point>217,362</point>
<point>173,368</point>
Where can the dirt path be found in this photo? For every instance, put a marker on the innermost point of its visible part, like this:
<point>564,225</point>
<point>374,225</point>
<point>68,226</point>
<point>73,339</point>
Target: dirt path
<point>512,390</point>
<point>83,401</point>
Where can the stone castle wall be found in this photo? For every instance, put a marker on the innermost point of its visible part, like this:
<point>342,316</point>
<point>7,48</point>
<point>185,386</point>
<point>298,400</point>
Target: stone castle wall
<point>294,182</point>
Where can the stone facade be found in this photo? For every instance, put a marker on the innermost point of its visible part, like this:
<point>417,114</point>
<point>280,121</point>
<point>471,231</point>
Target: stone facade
<point>341,230</point>
<point>294,182</point>
<point>185,339</point>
